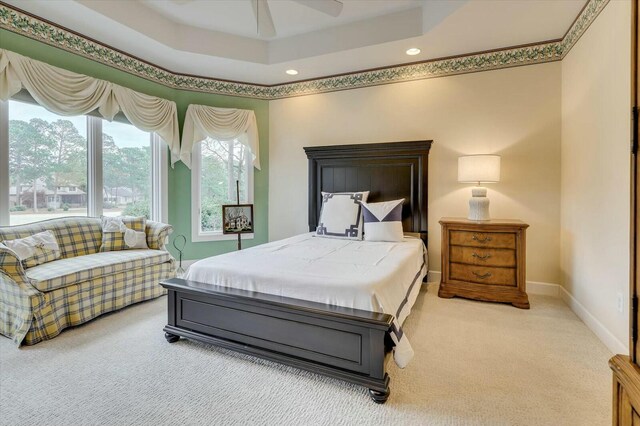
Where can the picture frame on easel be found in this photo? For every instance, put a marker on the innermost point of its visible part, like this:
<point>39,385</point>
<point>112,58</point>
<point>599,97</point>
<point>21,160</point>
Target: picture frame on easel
<point>237,218</point>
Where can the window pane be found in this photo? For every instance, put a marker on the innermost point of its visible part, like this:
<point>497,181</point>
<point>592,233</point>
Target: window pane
<point>126,157</point>
<point>47,164</point>
<point>222,164</point>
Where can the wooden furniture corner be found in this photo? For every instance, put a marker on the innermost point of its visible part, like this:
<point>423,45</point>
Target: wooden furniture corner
<point>626,390</point>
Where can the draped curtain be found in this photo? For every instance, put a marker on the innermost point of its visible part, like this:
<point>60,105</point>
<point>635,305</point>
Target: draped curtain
<point>223,124</point>
<point>67,93</point>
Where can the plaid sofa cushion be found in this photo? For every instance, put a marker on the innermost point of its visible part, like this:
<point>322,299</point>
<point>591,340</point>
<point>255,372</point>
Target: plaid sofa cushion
<point>76,236</point>
<point>65,272</point>
<point>114,241</point>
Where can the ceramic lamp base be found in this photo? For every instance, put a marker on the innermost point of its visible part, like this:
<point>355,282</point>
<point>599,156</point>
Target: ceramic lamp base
<point>479,204</point>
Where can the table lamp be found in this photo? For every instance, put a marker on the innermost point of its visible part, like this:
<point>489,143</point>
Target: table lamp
<point>479,169</point>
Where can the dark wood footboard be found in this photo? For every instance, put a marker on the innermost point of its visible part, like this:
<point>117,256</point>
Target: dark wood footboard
<point>342,343</point>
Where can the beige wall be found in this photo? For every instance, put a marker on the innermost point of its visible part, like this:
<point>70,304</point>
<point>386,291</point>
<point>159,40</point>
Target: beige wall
<point>595,174</point>
<point>512,112</point>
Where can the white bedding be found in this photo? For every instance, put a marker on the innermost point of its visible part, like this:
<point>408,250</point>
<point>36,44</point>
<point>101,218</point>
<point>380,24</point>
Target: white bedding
<point>373,276</point>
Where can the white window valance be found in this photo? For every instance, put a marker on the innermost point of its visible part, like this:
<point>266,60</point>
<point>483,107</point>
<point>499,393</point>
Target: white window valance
<point>222,124</point>
<point>67,93</point>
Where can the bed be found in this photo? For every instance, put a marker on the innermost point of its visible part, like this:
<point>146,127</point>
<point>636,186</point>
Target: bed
<point>334,307</point>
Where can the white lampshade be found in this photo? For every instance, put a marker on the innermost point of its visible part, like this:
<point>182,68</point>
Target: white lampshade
<point>479,169</point>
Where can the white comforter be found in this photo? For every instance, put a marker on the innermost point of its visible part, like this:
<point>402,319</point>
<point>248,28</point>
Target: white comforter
<point>373,276</point>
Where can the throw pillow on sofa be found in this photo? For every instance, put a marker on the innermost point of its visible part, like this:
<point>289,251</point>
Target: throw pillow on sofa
<point>36,249</point>
<point>123,233</point>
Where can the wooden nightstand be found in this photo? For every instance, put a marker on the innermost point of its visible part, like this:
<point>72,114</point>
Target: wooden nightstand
<point>484,260</point>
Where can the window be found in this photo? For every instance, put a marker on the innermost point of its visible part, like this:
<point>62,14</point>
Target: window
<point>55,166</point>
<point>217,165</point>
<point>126,159</point>
<point>47,164</point>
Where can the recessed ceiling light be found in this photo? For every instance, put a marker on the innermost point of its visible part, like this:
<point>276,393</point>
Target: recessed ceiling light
<point>413,51</point>
<point>292,72</point>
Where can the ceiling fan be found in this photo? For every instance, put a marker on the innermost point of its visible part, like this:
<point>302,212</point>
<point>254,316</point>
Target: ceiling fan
<point>265,22</point>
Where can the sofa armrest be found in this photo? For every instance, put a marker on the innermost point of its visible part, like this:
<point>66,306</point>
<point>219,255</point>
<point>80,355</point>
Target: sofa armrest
<point>18,302</point>
<point>157,234</point>
<point>12,267</point>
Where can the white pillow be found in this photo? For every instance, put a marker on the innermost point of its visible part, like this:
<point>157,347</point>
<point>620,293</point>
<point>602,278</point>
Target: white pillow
<point>383,221</point>
<point>135,239</point>
<point>36,249</point>
<point>341,215</point>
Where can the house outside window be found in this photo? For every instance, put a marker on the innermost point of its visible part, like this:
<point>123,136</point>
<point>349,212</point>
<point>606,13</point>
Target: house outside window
<point>60,166</point>
<point>127,164</point>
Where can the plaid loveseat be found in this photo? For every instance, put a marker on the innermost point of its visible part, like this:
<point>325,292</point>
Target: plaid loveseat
<point>37,303</point>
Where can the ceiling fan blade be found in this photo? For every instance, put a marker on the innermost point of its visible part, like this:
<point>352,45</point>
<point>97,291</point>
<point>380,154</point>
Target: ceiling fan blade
<point>263,18</point>
<point>330,7</point>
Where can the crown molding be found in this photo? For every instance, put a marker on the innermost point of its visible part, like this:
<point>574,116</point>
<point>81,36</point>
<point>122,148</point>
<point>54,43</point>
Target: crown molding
<point>20,22</point>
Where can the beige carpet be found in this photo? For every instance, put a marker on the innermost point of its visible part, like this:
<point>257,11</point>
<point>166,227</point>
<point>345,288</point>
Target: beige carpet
<point>475,363</point>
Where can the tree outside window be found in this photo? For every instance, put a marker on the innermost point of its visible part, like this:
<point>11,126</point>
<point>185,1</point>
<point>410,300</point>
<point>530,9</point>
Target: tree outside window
<point>126,158</point>
<point>48,166</point>
<point>222,163</point>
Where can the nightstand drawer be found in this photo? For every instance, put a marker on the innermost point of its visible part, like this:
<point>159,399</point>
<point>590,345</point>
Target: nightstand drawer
<point>483,239</point>
<point>482,274</point>
<point>483,256</point>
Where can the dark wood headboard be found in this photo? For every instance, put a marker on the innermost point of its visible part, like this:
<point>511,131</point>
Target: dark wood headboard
<point>389,171</point>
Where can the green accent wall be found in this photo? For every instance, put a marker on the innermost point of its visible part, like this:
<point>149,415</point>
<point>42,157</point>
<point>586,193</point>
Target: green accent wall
<point>180,176</point>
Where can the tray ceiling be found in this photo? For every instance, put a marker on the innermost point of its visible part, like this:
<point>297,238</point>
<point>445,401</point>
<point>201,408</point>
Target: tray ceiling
<point>218,39</point>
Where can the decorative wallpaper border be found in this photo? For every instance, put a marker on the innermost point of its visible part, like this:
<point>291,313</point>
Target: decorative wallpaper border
<point>526,55</point>
<point>35,28</point>
<point>586,17</point>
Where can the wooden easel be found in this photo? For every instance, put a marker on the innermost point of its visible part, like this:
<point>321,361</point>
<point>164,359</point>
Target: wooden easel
<point>238,203</point>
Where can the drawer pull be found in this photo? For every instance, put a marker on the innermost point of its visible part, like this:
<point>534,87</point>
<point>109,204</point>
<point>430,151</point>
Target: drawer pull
<point>482,276</point>
<point>480,256</point>
<point>481,240</point>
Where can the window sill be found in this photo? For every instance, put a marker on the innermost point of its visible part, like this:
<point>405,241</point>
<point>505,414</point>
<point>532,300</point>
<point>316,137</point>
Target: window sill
<point>218,236</point>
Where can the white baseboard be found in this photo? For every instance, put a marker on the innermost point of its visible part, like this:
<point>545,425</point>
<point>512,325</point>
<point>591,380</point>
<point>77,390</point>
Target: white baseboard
<point>543,289</point>
<point>533,287</point>
<point>556,290</point>
<point>434,276</point>
<point>609,340</point>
